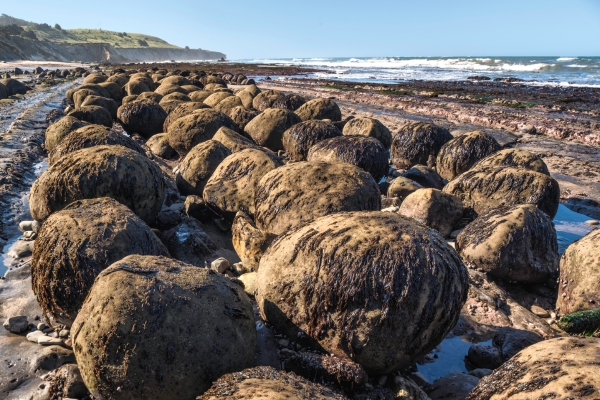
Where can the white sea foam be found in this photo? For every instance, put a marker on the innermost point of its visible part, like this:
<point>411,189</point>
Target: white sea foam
<point>566,58</point>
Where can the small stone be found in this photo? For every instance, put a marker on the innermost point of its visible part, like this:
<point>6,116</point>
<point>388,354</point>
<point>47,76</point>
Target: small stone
<point>41,326</point>
<point>382,381</point>
<point>30,226</point>
<point>63,333</point>
<point>29,235</point>
<point>250,283</point>
<point>48,330</point>
<point>283,343</point>
<point>220,265</point>
<point>34,336</point>
<point>239,268</point>
<point>53,334</point>
<point>16,324</point>
<point>539,311</point>
<point>22,248</point>
<point>50,341</point>
<point>592,222</point>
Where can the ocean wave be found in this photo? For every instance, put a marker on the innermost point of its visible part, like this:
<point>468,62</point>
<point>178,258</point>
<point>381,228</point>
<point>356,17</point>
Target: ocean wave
<point>525,67</point>
<point>566,58</point>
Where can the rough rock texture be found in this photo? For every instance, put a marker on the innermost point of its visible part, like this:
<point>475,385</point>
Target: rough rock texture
<point>453,387</point>
<point>289,101</point>
<point>267,128</point>
<point>418,143</point>
<point>216,98</point>
<point>484,190</point>
<point>365,152</point>
<point>233,185</point>
<point>515,158</point>
<point>14,86</point>
<point>269,384</point>
<point>199,96</point>
<point>580,275</point>
<point>320,109</point>
<point>78,242</point>
<point>265,99</point>
<point>242,116</point>
<point>301,137</point>
<point>101,171</point>
<point>515,243</point>
<point>159,328</point>
<point>370,127</point>
<point>561,368</point>
<point>327,369</point>
<point>61,128</point>
<point>144,117</point>
<point>159,146</point>
<point>155,97</point>
<point>424,176</point>
<point>371,286</point>
<point>233,140</point>
<point>226,105</point>
<point>93,114</point>
<point>110,105</point>
<point>401,187</point>
<point>90,136</point>
<point>114,90</point>
<point>182,110</point>
<point>461,153</point>
<point>433,208</point>
<point>197,127</point>
<point>249,242</point>
<point>188,242</point>
<point>299,192</point>
<point>198,165</point>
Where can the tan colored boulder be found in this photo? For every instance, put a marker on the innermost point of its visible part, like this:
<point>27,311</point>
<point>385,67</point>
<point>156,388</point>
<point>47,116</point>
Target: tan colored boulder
<point>515,158</point>
<point>198,165</point>
<point>242,116</point>
<point>265,99</point>
<point>249,242</point>
<point>200,95</point>
<point>461,153</point>
<point>135,86</point>
<point>170,88</point>
<point>401,187</point>
<point>216,98</point>
<point>153,96</point>
<point>227,104</point>
<point>433,208</point>
<point>233,140</point>
<point>110,105</point>
<point>320,109</point>
<point>289,101</point>
<point>114,90</point>
<point>182,110</point>
<point>175,96</point>
<point>93,114</point>
<point>268,127</point>
<point>59,129</point>
<point>370,127</point>
<point>159,146</point>
<point>246,98</point>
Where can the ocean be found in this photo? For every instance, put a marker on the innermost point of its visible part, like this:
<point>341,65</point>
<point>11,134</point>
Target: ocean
<point>564,71</point>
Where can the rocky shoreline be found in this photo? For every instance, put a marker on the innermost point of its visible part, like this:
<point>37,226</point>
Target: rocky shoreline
<point>198,235</point>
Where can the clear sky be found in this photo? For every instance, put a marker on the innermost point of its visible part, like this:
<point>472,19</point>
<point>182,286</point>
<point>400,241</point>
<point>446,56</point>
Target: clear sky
<point>351,28</point>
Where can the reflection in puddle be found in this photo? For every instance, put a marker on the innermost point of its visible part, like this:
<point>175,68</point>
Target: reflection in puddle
<point>570,226</point>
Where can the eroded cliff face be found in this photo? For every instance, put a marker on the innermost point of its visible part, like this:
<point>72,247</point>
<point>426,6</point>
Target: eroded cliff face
<point>17,48</point>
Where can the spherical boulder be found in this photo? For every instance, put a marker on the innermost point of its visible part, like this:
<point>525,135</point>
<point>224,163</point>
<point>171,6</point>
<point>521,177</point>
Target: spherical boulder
<point>401,187</point>
<point>268,127</point>
<point>513,243</point>
<point>233,184</point>
<point>135,86</point>
<point>374,287</point>
<point>424,176</point>
<point>197,127</point>
<point>484,190</point>
<point>245,97</point>
<point>110,105</point>
<point>242,116</point>
<point>320,109</point>
<point>93,114</point>
<point>114,90</point>
<point>265,99</point>
<point>515,158</point>
<point>433,208</point>
<point>75,244</point>
<point>178,328</point>
<point>560,368</point>
<point>159,146</point>
<point>152,96</point>
<point>198,165</point>
<point>233,140</point>
<point>299,192</point>
<point>298,139</point>
<point>175,80</point>
<point>418,143</point>
<point>59,129</point>
<point>95,78</point>
<point>227,104</point>
<point>175,96</point>
<point>216,98</point>
<point>182,110</point>
<point>461,153</point>
<point>365,152</point>
<point>580,275</point>
<point>129,99</point>
<point>289,101</point>
<point>101,171</point>
<point>370,127</point>
<point>144,117</point>
<point>200,95</point>
<point>167,89</point>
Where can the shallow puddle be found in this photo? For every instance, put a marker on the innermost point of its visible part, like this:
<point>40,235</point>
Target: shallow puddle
<point>570,226</point>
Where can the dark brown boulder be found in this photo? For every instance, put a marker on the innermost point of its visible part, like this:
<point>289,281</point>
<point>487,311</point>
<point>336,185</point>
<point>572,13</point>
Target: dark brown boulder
<point>370,127</point>
<point>198,165</point>
<point>267,128</point>
<point>143,117</point>
<point>94,115</point>
<point>298,139</point>
<point>461,153</point>
<point>59,129</point>
<point>418,143</point>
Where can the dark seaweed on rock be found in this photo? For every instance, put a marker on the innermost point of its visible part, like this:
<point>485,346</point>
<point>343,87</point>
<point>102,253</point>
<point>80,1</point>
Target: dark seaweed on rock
<point>144,117</point>
<point>515,158</point>
<point>298,140</point>
<point>461,153</point>
<point>586,322</point>
<point>418,143</point>
<point>327,368</point>
<point>289,101</point>
<point>94,115</point>
<point>265,99</point>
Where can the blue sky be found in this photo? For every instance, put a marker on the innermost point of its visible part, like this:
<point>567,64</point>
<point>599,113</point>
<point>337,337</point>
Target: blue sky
<point>322,28</point>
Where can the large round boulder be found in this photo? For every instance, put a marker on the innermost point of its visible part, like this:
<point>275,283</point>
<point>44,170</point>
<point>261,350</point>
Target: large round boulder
<point>298,139</point>
<point>135,86</point>
<point>198,165</point>
<point>242,116</point>
<point>461,153</point>
<point>369,127</point>
<point>401,187</point>
<point>101,171</point>
<point>233,140</point>
<point>227,104</point>
<point>320,109</point>
<point>159,146</point>
<point>433,208</point>
<point>199,95</point>
<point>289,101</point>
<point>167,89</point>
<point>216,98</point>
<point>268,127</point>
<point>561,368</point>
<point>175,80</point>
<point>245,97</point>
<point>197,127</point>
<point>144,117</point>
<point>14,86</point>
<point>424,176</point>
<point>114,90</point>
<point>299,192</point>
<point>75,244</point>
<point>515,158</point>
<point>93,114</point>
<point>152,96</point>
<point>580,275</point>
<point>484,190</point>
<point>265,99</point>
<point>59,129</point>
<point>153,327</point>
<point>232,186</point>
<point>512,243</point>
<point>3,92</point>
<point>110,105</point>
<point>175,96</point>
<point>374,287</point>
<point>95,78</point>
<point>418,143</point>
<point>182,110</point>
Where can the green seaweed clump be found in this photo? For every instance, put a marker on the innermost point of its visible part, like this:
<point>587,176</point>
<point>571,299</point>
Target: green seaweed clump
<point>581,322</point>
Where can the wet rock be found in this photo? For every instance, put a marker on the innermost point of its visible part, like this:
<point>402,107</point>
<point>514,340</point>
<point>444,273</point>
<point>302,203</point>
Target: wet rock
<point>249,242</point>
<point>196,207</point>
<point>268,383</point>
<point>268,127</point>
<point>242,116</point>
<point>167,219</point>
<point>61,128</point>
<point>233,140</point>
<point>197,127</point>
<point>90,136</point>
<point>21,248</point>
<point>555,368</point>
<point>480,372</point>
<point>265,99</point>
<point>35,335</point>
<point>233,184</point>
<point>93,114</point>
<point>406,389</point>
<point>365,152</point>
<point>188,242</point>
<point>299,192</point>
<point>143,117</point>
<point>289,101</point>
<point>14,86</point>
<point>401,187</point>
<point>334,280</point>
<point>182,110</point>
<point>424,176</point>
<point>95,78</point>
<point>461,153</point>
<point>579,281</point>
<point>75,244</point>
<point>514,158</point>
<point>485,190</point>
<point>484,356</point>
<point>320,109</point>
<point>198,166</point>
<point>512,243</point>
<point>511,341</point>
<point>16,324</point>
<point>369,127</point>
<point>220,265</point>
<point>52,357</point>
<point>327,369</point>
<point>159,299</point>
<point>453,387</point>
<point>50,341</point>
<point>418,143</point>
<point>433,208</point>
<point>159,146</point>
<point>126,175</point>
<point>298,139</point>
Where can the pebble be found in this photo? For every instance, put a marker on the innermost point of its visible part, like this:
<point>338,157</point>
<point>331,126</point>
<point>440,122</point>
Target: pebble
<point>539,311</point>
<point>593,222</point>
<point>220,265</point>
<point>48,330</point>
<point>49,341</point>
<point>34,336</point>
<point>41,326</point>
<point>283,342</point>
<point>29,235</point>
<point>16,324</point>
